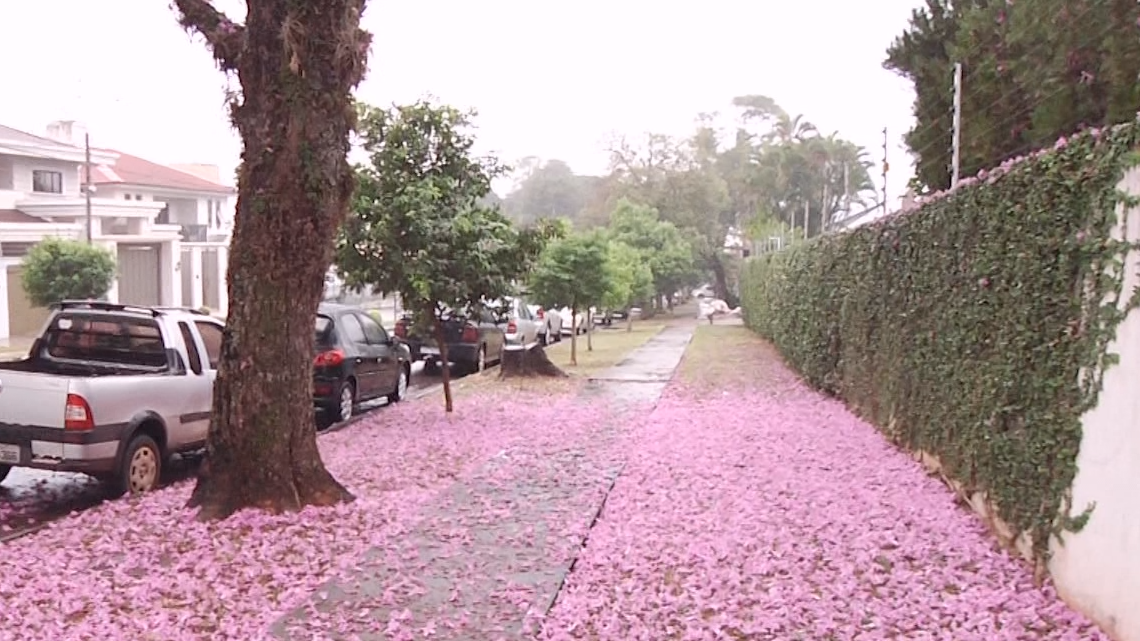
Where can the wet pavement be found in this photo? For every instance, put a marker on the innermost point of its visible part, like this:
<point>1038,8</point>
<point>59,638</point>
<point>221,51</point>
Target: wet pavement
<point>491,553</point>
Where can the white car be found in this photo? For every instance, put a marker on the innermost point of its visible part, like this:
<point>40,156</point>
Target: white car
<point>575,325</point>
<point>549,324</point>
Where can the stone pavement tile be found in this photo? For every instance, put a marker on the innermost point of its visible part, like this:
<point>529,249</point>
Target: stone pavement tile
<point>489,556</point>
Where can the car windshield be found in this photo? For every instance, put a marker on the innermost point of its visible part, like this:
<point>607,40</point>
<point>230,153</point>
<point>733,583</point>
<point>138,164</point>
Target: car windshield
<point>323,331</point>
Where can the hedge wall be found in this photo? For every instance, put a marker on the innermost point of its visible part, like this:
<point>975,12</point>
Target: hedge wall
<point>974,327</point>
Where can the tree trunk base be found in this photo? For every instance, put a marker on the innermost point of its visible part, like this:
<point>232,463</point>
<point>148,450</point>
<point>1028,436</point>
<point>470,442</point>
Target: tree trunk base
<point>529,363</point>
<point>218,496</point>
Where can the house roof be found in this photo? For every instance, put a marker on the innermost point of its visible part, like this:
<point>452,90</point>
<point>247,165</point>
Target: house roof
<point>21,137</point>
<point>17,216</point>
<point>132,170</point>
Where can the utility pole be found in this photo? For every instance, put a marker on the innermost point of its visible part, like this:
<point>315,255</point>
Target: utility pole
<point>823,211</point>
<point>886,168</point>
<point>956,151</point>
<point>87,183</point>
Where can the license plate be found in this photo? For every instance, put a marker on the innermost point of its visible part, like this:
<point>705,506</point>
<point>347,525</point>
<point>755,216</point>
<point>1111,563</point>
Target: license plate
<point>433,351</point>
<point>9,453</point>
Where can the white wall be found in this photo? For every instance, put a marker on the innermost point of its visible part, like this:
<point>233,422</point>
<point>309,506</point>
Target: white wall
<point>1097,570</point>
<point>22,169</point>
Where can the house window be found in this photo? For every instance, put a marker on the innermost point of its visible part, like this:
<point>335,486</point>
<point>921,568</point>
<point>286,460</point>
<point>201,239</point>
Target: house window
<point>47,182</point>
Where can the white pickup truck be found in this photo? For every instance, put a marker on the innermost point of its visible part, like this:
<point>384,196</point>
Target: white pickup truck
<point>111,391</point>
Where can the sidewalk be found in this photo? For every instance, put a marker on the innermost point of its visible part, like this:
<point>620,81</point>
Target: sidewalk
<point>752,507</point>
<point>489,557</point>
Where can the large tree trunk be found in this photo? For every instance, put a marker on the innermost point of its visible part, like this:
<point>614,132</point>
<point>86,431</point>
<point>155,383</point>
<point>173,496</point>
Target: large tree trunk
<point>297,63</point>
<point>720,277</point>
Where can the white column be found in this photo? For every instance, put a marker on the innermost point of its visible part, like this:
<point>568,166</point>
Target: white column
<point>170,267</point>
<point>223,255</point>
<point>197,296</point>
<point>113,292</point>
<point>5,325</point>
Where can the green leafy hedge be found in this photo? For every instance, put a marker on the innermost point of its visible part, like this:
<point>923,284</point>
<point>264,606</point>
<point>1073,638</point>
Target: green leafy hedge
<point>975,327</point>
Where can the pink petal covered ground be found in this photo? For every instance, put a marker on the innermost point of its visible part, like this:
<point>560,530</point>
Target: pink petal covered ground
<point>776,515</point>
<point>146,570</point>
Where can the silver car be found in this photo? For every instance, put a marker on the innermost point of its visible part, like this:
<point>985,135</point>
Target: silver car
<point>521,327</point>
<point>111,391</point>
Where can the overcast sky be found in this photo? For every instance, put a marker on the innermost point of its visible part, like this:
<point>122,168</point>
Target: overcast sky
<point>548,81</point>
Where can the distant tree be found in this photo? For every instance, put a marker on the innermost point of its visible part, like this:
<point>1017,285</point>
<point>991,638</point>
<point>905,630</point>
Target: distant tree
<point>57,269</point>
<point>572,272</point>
<point>418,227</point>
<point>1027,80</point>
<point>666,251</point>
<point>547,189</point>
<point>631,279</point>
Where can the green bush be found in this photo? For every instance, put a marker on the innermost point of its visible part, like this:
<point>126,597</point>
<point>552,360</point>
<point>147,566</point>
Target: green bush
<point>975,327</point>
<point>57,269</point>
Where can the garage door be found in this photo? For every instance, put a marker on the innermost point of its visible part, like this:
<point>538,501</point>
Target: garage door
<point>139,274</point>
<point>24,319</point>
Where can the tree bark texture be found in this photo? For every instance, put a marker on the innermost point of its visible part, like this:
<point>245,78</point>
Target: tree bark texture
<point>528,363</point>
<point>297,63</point>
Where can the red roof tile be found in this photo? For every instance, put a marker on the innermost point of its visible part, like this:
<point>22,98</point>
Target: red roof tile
<point>132,170</point>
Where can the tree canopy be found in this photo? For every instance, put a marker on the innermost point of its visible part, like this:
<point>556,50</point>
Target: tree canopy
<point>573,272</point>
<point>1026,81</point>
<point>420,225</point>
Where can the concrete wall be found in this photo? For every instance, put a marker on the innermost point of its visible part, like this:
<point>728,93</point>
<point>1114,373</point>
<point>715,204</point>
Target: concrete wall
<point>1097,570</point>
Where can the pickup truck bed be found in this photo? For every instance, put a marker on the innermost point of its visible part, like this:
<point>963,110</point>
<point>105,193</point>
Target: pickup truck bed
<point>111,391</point>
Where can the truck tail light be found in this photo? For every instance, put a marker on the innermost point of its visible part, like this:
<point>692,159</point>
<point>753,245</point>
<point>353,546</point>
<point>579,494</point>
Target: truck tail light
<point>77,415</point>
<point>470,334</point>
<point>401,328</point>
<point>330,358</point>
<point>512,327</point>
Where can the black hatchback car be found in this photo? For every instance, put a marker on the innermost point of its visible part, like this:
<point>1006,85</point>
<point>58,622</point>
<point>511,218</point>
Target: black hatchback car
<point>357,360</point>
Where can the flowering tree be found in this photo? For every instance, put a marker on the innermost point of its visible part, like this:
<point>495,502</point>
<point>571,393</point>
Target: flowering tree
<point>297,62</point>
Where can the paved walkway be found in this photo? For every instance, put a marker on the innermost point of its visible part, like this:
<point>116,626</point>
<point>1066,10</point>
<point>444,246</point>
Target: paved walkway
<point>491,554</point>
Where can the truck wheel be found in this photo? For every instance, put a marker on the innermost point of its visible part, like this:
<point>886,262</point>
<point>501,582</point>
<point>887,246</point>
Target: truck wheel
<point>141,468</point>
<point>4,470</point>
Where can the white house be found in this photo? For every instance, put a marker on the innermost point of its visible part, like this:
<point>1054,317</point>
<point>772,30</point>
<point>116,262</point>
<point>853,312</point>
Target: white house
<point>152,217</point>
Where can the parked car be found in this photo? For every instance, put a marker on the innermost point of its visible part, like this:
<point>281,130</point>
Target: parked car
<point>575,325</point>
<point>111,391</point>
<point>471,344</point>
<point>550,324</point>
<point>356,361</point>
<point>522,328</point>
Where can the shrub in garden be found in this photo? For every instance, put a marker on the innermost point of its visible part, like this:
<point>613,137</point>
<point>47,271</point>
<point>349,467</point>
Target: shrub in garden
<point>974,327</point>
<point>57,269</point>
